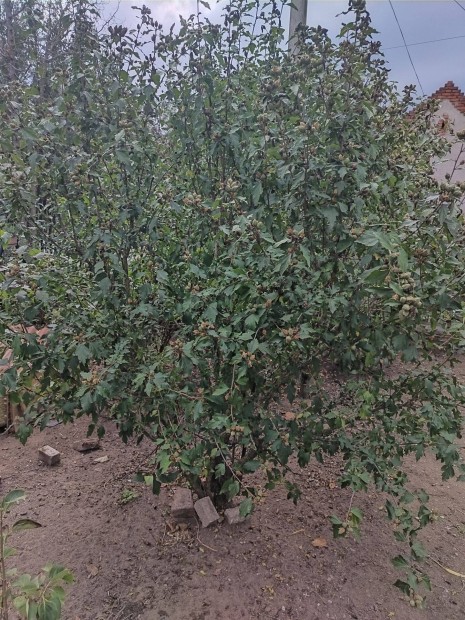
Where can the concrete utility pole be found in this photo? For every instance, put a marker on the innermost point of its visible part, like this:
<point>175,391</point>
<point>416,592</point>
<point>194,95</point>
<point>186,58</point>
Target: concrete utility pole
<point>298,16</point>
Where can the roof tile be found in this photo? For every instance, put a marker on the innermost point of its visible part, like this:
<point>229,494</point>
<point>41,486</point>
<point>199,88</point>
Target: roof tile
<point>452,93</point>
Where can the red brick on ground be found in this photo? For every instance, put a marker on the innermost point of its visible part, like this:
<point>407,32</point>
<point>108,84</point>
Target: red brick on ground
<point>49,455</point>
<point>182,506</point>
<point>206,511</point>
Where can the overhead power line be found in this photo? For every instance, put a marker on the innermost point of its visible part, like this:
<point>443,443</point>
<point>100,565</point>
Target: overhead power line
<point>394,47</point>
<point>460,5</point>
<point>407,49</point>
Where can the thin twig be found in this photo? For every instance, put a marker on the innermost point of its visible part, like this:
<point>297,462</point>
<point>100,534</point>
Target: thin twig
<point>298,532</point>
<point>200,542</point>
<point>350,505</point>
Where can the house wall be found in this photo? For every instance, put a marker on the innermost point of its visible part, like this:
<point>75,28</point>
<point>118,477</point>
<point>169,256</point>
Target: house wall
<point>457,122</point>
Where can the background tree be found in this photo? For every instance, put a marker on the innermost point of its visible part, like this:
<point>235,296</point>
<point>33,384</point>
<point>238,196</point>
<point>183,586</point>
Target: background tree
<point>40,41</point>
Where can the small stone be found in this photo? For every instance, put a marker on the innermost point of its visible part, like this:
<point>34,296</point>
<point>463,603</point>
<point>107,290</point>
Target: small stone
<point>206,511</point>
<point>233,516</point>
<point>87,445</point>
<point>101,459</point>
<point>182,507</point>
<point>49,455</point>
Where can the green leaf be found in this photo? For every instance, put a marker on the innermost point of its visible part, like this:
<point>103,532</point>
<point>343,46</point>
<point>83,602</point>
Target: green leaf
<point>403,260</point>
<point>20,603</point>
<point>403,586</point>
<point>410,353</point>
<point>246,507</point>
<point>42,295</point>
<point>251,321</point>
<point>13,497</point>
<point>105,285</point>
<point>339,528</point>
<point>375,276</point>
<point>162,276</point>
<point>164,461</point>
<point>330,214</point>
<point>33,610</point>
<point>400,562</point>
<point>407,497</point>
<point>82,353</point>
<point>211,312</point>
<point>27,584</point>
<point>356,513</point>
<point>87,401</point>
<point>253,346</point>
<point>427,582</point>
<point>25,524</point>
<point>368,239</point>
<point>9,552</point>
<point>28,134</point>
<point>371,238</point>
<point>123,157</point>
<point>418,551</point>
<point>257,192</point>
<point>58,572</point>
<point>230,488</point>
<point>251,466</point>
<point>220,470</point>
<point>160,380</point>
<point>391,510</point>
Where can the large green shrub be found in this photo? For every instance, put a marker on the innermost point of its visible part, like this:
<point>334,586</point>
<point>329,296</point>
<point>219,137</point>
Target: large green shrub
<point>218,218</point>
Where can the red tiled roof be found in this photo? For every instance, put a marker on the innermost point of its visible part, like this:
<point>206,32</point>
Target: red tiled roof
<point>451,93</point>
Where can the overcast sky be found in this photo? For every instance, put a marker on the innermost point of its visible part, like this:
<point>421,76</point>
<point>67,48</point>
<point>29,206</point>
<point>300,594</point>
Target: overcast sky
<point>421,21</point>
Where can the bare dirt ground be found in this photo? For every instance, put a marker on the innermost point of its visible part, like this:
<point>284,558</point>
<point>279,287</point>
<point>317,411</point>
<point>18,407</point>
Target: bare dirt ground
<point>129,564</point>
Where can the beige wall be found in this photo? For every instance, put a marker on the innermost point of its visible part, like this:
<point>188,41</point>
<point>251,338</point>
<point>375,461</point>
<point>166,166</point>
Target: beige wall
<point>446,165</point>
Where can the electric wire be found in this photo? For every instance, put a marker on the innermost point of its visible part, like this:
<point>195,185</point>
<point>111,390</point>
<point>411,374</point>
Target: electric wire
<point>394,47</point>
<point>460,5</point>
<point>406,48</point>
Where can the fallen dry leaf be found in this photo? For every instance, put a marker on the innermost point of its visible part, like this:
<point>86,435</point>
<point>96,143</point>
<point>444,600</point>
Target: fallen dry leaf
<point>269,590</point>
<point>319,542</point>
<point>289,416</point>
<point>92,570</point>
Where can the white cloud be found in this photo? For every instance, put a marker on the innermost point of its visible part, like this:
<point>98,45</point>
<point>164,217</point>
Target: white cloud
<point>164,11</point>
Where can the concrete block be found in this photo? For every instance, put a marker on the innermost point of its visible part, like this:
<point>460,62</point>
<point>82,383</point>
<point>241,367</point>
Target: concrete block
<point>182,506</point>
<point>49,455</point>
<point>206,511</point>
<point>233,516</point>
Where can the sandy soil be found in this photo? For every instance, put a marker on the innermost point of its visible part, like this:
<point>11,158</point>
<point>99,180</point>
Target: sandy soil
<point>129,563</point>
